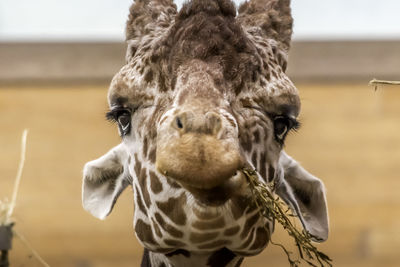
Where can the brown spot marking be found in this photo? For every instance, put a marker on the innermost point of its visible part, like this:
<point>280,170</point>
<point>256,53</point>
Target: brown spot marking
<point>214,224</point>
<point>145,147</point>
<point>252,207</point>
<point>168,228</point>
<point>238,206</point>
<point>146,48</point>
<point>254,160</point>
<point>147,61</point>
<point>205,215</point>
<point>133,51</point>
<point>143,232</point>
<point>256,135</point>
<point>154,58</point>
<point>202,237</point>
<point>143,186</point>
<point>248,240</point>
<point>162,83</point>
<point>262,237</point>
<point>138,166</point>
<point>271,173</point>
<point>163,250</point>
<point>263,169</point>
<point>140,202</point>
<point>179,252</point>
<point>230,120</point>
<point>174,243</point>
<point>221,258</point>
<point>155,184</point>
<point>246,102</point>
<point>231,231</point>
<point>162,265</point>
<point>148,77</point>
<point>152,155</point>
<point>245,142</point>
<point>173,208</point>
<point>268,76</point>
<point>215,244</point>
<point>163,119</point>
<point>172,183</point>
<point>249,223</point>
<point>156,228</point>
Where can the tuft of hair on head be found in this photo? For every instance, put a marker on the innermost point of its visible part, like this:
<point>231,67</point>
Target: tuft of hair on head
<point>272,16</point>
<point>211,7</point>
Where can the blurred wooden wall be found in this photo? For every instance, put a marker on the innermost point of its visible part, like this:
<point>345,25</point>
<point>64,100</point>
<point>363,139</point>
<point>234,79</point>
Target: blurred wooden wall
<point>349,138</point>
<point>97,62</point>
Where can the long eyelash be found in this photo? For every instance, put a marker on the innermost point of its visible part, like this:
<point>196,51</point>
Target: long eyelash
<point>112,115</point>
<point>295,125</point>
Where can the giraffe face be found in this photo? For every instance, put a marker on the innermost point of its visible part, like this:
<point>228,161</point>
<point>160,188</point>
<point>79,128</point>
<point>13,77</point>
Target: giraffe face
<point>201,131</point>
<point>203,94</point>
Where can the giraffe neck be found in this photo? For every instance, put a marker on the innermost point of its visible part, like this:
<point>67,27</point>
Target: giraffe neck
<point>221,258</point>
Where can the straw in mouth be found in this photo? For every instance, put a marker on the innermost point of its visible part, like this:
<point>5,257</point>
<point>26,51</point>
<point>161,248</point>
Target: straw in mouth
<point>273,208</point>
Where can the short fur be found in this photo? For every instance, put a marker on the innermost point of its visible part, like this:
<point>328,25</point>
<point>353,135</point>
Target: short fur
<point>207,30</point>
<point>272,16</point>
<point>200,97</point>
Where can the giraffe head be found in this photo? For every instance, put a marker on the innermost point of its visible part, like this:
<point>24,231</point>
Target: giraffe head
<point>203,94</point>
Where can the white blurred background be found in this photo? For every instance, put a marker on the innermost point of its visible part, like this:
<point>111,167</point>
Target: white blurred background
<point>103,20</point>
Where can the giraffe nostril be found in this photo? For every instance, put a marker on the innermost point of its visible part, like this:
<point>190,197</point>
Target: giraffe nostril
<point>179,123</point>
<point>182,122</point>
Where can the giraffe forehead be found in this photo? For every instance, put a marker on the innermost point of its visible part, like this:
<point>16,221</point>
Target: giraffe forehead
<point>200,82</point>
<point>129,87</point>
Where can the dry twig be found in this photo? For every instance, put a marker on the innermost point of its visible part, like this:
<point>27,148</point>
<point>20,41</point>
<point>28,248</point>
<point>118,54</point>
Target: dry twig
<point>7,208</point>
<point>33,251</point>
<point>375,83</point>
<point>273,208</point>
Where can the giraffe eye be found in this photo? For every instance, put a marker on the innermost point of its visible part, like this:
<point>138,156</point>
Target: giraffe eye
<point>123,117</point>
<point>282,125</point>
<point>124,123</point>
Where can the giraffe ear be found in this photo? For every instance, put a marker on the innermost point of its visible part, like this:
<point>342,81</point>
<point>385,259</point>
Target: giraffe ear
<point>104,179</point>
<point>147,17</point>
<point>271,19</point>
<point>305,194</point>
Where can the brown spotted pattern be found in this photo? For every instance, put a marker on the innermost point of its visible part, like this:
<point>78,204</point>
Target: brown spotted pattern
<point>235,63</point>
<point>173,209</point>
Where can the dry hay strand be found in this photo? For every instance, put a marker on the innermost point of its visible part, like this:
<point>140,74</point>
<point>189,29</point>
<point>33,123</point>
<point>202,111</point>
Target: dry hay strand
<point>273,208</point>
<point>6,207</point>
<point>376,83</point>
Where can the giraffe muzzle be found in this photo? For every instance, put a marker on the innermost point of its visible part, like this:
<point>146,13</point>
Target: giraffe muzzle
<point>198,152</point>
<point>197,160</point>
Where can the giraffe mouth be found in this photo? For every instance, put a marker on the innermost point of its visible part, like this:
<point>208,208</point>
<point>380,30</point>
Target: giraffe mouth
<point>211,197</point>
<point>218,195</point>
<point>201,162</point>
